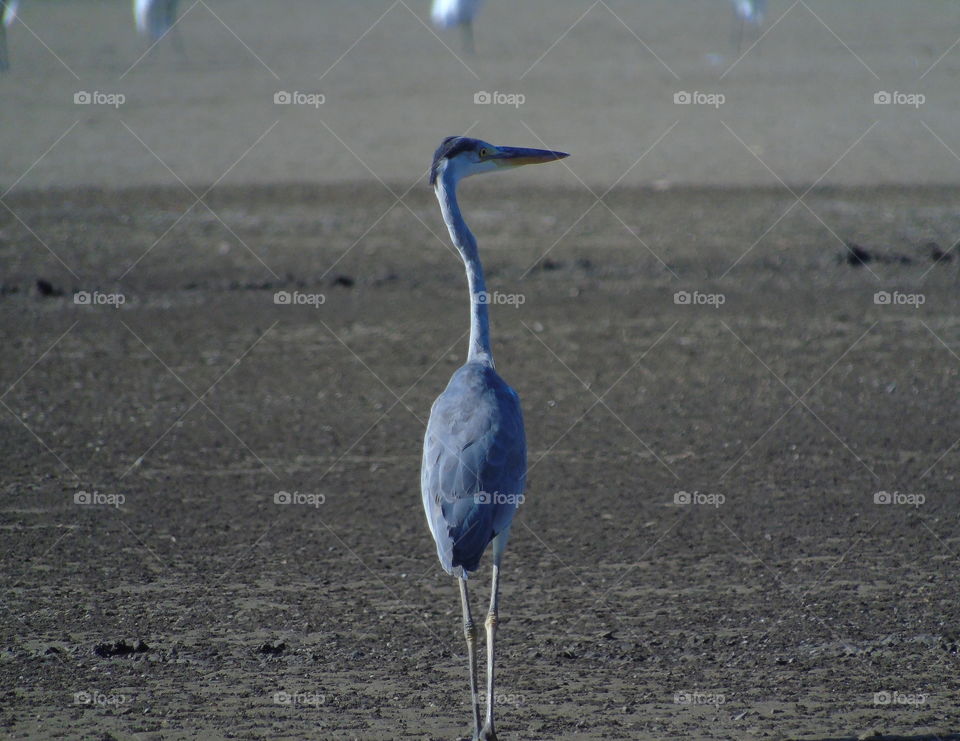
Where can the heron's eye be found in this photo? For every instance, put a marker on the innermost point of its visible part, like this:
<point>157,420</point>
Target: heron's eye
<point>483,153</point>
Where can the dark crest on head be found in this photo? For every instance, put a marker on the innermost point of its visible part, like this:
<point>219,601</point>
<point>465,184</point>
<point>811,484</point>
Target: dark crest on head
<point>450,147</point>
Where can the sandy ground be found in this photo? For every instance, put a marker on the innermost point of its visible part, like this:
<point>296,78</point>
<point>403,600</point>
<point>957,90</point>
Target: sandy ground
<point>796,598</point>
<point>154,587</point>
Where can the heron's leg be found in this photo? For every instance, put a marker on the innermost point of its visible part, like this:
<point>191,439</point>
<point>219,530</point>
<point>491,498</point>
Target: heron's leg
<point>499,544</point>
<point>470,632</point>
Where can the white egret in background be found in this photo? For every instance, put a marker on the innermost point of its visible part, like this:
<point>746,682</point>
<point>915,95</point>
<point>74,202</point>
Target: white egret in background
<point>453,13</point>
<point>748,13</point>
<point>154,18</point>
<point>8,13</point>
<point>474,452</point>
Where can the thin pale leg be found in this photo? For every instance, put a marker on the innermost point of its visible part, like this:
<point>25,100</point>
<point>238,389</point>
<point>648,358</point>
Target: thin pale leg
<point>468,37</point>
<point>499,544</point>
<point>470,632</point>
<point>4,61</point>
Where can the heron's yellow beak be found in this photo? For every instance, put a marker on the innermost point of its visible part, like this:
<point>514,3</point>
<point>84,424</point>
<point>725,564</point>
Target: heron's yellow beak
<point>516,156</point>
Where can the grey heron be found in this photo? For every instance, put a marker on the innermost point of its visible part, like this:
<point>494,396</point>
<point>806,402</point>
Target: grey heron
<point>474,451</point>
<point>8,13</point>
<point>452,13</point>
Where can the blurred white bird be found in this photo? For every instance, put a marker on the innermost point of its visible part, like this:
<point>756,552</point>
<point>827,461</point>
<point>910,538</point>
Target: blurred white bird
<point>154,18</point>
<point>748,12</point>
<point>7,16</point>
<point>452,13</point>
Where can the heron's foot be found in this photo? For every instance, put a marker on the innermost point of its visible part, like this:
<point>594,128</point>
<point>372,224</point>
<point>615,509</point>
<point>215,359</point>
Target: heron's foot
<point>487,734</point>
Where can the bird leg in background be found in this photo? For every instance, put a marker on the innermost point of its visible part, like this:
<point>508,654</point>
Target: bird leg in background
<point>4,61</point>
<point>470,632</point>
<point>467,30</point>
<point>488,733</point>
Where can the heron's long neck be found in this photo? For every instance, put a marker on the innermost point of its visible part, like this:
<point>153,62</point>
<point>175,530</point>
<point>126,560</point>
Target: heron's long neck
<point>464,241</point>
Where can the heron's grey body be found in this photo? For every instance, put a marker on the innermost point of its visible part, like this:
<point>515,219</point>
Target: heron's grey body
<point>474,465</point>
<point>474,450</point>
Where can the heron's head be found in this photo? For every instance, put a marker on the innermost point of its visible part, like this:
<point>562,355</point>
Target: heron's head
<point>462,157</point>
